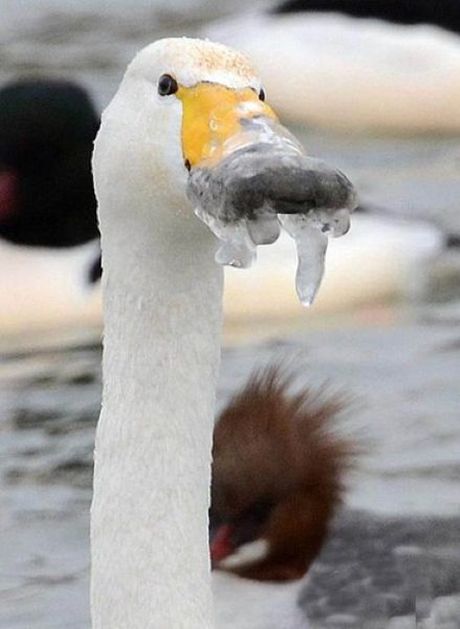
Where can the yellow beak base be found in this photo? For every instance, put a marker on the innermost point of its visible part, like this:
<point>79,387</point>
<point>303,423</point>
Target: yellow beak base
<point>211,115</point>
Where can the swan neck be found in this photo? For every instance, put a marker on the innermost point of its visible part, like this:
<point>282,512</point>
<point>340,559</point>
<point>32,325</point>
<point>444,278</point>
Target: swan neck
<point>149,528</point>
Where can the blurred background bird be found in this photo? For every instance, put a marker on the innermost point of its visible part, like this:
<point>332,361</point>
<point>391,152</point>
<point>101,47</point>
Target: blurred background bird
<point>279,472</point>
<point>366,65</point>
<point>49,248</point>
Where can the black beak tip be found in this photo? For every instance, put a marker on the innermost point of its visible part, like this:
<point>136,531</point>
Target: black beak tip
<point>251,180</point>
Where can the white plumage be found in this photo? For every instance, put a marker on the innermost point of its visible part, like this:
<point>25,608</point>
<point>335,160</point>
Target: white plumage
<point>352,74</point>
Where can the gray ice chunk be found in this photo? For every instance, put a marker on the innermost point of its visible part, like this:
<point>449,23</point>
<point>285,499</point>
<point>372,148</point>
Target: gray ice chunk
<point>236,245</point>
<point>261,178</point>
<point>311,245</point>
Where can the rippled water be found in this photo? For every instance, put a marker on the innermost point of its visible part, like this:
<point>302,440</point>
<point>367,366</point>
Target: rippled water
<point>394,547</point>
<point>394,552</point>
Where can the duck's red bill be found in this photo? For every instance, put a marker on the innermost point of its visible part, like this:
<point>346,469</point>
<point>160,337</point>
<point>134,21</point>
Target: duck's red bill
<point>8,193</point>
<point>221,545</point>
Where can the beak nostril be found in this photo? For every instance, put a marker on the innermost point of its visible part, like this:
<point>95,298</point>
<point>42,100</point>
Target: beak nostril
<point>187,165</point>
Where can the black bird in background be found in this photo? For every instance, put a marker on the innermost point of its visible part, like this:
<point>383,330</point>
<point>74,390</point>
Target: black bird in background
<point>47,128</point>
<point>442,13</point>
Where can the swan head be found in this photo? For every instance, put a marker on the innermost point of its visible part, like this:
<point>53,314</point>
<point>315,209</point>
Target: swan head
<point>186,113</point>
<point>160,122</point>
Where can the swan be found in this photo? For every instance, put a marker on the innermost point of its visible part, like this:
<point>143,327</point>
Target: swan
<point>162,310</point>
<point>49,240</point>
<point>356,66</point>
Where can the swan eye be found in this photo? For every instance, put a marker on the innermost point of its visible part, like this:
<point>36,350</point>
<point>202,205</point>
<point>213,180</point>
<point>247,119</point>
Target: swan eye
<point>262,95</point>
<point>167,85</point>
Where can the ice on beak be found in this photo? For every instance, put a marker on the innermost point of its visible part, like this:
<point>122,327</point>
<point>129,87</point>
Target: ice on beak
<point>237,247</point>
<point>311,245</point>
<point>260,179</point>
